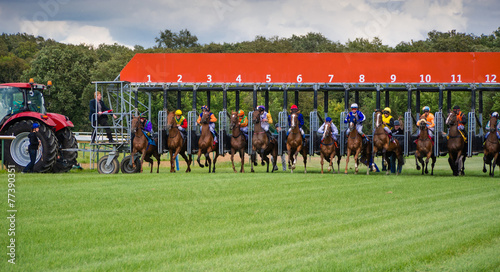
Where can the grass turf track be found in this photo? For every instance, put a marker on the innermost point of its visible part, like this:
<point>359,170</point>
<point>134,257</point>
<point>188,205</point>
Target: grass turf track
<point>83,221</point>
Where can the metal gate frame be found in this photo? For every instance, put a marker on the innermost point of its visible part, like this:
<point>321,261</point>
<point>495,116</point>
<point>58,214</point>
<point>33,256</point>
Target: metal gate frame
<point>224,125</point>
<point>343,128</point>
<point>162,126</point>
<point>283,124</point>
<point>471,132</point>
<point>438,131</point>
<point>313,129</point>
<point>192,127</point>
<point>407,130</point>
<point>250,133</point>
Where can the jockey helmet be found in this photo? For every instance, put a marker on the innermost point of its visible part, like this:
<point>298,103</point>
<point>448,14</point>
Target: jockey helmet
<point>294,107</point>
<point>204,107</point>
<point>261,108</point>
<point>387,109</point>
<point>457,107</point>
<point>178,112</point>
<point>35,125</point>
<point>328,119</point>
<point>495,114</point>
<point>426,108</point>
<point>241,113</point>
<point>354,106</point>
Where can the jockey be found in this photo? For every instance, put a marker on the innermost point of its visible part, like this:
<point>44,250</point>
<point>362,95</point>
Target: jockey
<point>265,120</point>
<point>429,118</point>
<point>388,122</point>
<point>295,109</point>
<point>211,122</point>
<point>335,131</point>
<point>147,126</point>
<point>181,123</point>
<point>460,117</point>
<point>360,117</point>
<point>243,123</point>
<point>495,114</point>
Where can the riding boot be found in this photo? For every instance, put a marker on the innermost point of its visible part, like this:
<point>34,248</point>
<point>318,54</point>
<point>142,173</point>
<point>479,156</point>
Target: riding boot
<point>110,137</point>
<point>268,133</point>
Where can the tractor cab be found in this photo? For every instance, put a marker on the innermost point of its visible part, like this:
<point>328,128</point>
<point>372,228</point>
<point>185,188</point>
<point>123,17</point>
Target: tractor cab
<point>19,97</point>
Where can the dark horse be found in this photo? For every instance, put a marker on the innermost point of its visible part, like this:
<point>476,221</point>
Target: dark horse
<point>354,145</point>
<point>424,148</point>
<point>328,150</point>
<point>381,143</point>
<point>176,144</point>
<point>205,143</point>
<point>261,144</point>
<point>141,145</point>
<point>238,141</point>
<point>294,143</point>
<point>491,147</point>
<point>456,146</point>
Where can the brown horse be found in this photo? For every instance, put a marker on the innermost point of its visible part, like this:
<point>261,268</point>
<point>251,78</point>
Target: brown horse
<point>456,146</point>
<point>141,145</point>
<point>262,145</point>
<point>238,141</point>
<point>206,143</point>
<point>424,148</point>
<point>294,144</point>
<point>176,144</point>
<point>491,147</point>
<point>381,143</point>
<point>354,144</point>
<point>328,149</point>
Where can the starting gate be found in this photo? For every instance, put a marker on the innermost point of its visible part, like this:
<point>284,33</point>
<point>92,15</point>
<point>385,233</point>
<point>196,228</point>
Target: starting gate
<point>439,140</point>
<point>162,132</point>
<point>343,129</point>
<point>224,132</point>
<point>283,125</point>
<point>408,130</point>
<point>250,132</point>
<point>313,129</point>
<point>193,133</point>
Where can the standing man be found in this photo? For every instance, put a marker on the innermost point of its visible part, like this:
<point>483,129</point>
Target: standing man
<point>33,147</point>
<point>97,118</point>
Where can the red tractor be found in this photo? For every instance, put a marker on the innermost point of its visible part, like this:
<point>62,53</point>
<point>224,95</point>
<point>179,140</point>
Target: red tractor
<point>22,104</point>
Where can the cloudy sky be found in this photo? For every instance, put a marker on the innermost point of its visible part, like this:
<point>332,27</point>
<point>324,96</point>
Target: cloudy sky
<point>130,23</point>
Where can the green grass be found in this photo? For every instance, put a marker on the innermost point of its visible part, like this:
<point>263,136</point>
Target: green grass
<point>83,221</point>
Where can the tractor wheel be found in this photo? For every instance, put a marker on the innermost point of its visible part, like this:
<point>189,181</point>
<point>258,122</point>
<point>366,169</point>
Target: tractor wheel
<point>66,159</point>
<point>112,168</point>
<point>127,168</point>
<point>16,151</point>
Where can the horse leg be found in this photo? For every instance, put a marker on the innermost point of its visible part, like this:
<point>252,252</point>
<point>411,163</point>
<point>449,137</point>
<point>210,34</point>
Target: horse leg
<point>198,159</point>
<point>209,161</point>
<point>215,159</point>
<point>495,158</point>
<point>426,164</point>
<point>321,161</point>
<point>242,156</point>
<point>450,162</point>
<point>347,160</point>
<point>158,158</point>
<point>289,151</point>
<point>484,163</point>
<point>188,161</point>
<point>232,158</point>
<point>266,160</point>
<point>252,161</point>
<point>356,162</point>
<point>148,159</point>
<point>417,156</point>
<point>421,161</point>
<point>432,165</point>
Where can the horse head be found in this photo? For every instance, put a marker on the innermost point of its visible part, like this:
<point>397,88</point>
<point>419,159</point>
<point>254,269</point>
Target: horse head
<point>205,117</point>
<point>294,120</point>
<point>256,117</point>
<point>352,122</point>
<point>234,120</point>
<point>493,123</point>
<point>451,120</point>
<point>170,120</point>
<point>378,118</point>
<point>422,124</point>
<point>135,124</point>
<point>328,131</point>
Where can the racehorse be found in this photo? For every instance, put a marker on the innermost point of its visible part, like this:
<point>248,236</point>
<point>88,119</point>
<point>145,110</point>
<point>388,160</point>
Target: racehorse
<point>328,150</point>
<point>206,144</point>
<point>424,148</point>
<point>294,143</point>
<point>176,144</point>
<point>261,144</point>
<point>141,145</point>
<point>456,146</point>
<point>238,141</point>
<point>491,147</point>
<point>354,144</point>
<point>381,143</point>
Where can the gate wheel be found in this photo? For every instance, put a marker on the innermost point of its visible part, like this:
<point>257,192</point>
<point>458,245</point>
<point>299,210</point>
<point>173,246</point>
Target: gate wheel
<point>112,168</point>
<point>127,167</point>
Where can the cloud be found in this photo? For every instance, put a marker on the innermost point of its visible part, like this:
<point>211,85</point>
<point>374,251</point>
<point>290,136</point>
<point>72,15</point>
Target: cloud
<point>69,32</point>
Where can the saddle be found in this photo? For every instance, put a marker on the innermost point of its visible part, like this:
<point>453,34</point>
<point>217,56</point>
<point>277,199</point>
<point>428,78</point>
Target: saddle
<point>151,141</point>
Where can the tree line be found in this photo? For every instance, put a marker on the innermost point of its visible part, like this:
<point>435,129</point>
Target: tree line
<point>72,68</point>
